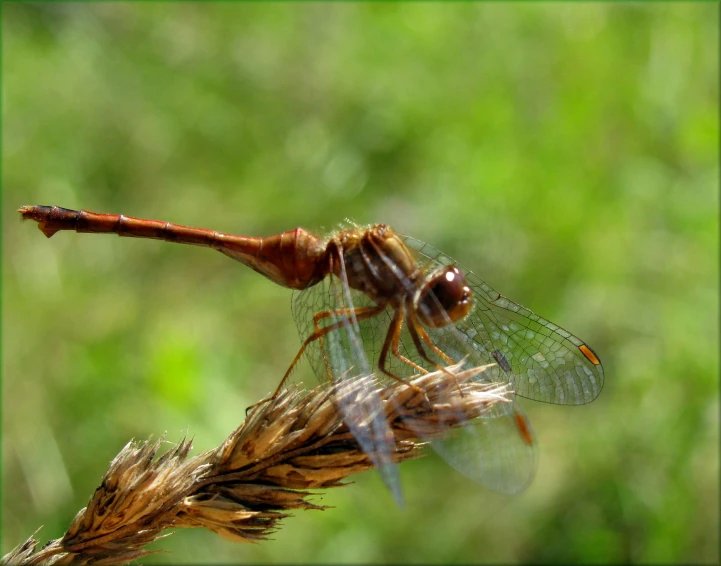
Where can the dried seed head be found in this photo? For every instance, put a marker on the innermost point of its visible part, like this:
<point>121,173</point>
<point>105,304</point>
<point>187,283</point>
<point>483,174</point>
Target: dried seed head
<point>241,490</point>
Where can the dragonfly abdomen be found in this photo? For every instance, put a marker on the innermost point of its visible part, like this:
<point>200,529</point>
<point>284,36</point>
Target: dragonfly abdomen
<point>52,219</point>
<point>294,259</point>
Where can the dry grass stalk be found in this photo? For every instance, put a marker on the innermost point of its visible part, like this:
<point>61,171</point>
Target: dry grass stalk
<point>244,487</point>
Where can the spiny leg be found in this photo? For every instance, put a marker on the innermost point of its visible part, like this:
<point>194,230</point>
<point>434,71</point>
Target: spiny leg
<point>392,342</point>
<point>366,312</point>
<point>414,327</point>
<point>419,347</point>
<point>416,330</point>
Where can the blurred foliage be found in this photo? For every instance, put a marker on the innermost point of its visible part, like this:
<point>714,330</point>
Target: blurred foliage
<point>565,152</point>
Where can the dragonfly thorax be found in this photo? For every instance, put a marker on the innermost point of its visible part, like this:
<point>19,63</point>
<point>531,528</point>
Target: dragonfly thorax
<point>377,263</point>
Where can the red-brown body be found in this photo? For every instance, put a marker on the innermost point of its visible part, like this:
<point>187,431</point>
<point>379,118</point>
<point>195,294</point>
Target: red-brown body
<point>372,260</point>
<point>295,259</point>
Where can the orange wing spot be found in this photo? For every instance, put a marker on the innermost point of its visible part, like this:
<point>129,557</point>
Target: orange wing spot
<point>586,351</point>
<point>523,428</point>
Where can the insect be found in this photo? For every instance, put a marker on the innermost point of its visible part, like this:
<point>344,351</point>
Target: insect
<point>367,298</point>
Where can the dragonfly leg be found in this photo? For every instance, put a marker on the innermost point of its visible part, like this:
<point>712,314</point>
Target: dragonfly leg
<point>419,335</point>
<point>392,342</point>
<point>360,313</point>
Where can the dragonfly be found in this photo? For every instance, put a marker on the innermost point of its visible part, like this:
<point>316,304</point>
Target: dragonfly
<point>367,297</point>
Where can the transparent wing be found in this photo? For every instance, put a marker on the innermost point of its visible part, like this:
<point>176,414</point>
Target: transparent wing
<point>540,360</point>
<point>498,450</point>
<point>339,356</point>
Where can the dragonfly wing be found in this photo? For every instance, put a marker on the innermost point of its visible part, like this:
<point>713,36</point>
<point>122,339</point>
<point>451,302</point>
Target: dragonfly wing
<point>540,360</point>
<point>340,356</point>
<point>496,450</point>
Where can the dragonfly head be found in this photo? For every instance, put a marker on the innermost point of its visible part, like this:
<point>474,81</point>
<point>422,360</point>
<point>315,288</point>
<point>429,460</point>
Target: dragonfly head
<point>444,298</point>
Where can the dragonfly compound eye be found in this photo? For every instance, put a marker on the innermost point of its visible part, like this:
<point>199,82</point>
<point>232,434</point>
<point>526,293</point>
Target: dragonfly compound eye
<point>444,298</point>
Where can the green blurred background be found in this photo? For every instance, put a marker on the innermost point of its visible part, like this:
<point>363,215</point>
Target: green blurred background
<point>567,153</point>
